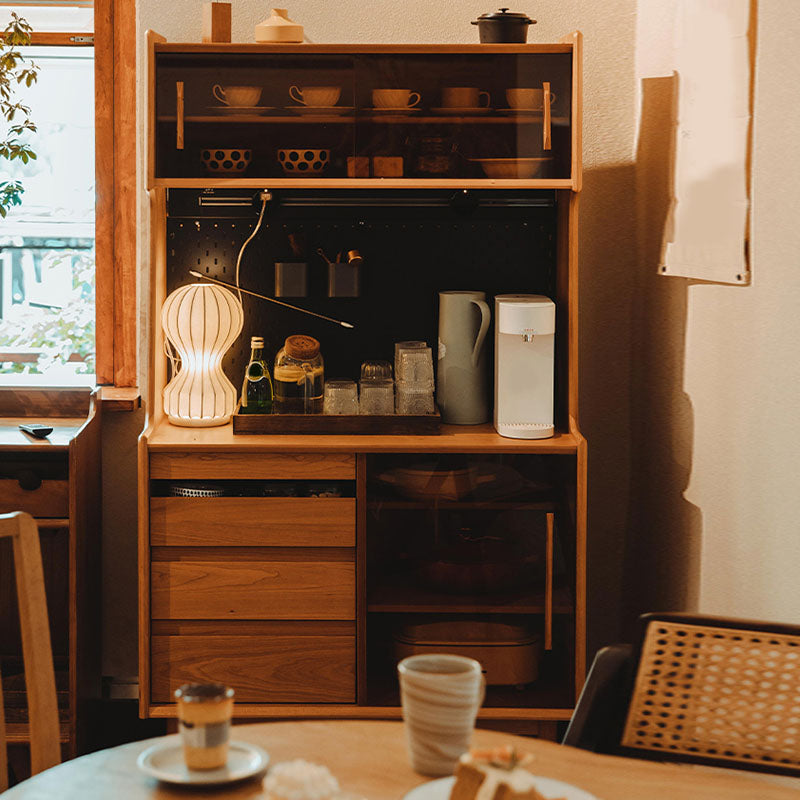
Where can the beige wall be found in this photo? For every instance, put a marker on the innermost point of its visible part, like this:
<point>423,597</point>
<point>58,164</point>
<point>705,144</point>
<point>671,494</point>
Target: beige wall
<point>687,391</point>
<point>742,367</point>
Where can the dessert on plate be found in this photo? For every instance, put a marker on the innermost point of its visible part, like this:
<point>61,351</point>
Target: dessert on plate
<point>495,774</point>
<point>300,780</point>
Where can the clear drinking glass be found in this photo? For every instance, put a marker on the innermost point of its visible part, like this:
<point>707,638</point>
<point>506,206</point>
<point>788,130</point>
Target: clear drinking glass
<point>204,720</point>
<point>376,370</point>
<point>377,397</point>
<point>411,400</point>
<point>416,366</point>
<point>341,397</point>
<point>400,347</point>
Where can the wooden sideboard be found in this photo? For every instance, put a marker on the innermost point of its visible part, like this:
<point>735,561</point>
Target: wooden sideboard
<point>56,480</point>
<point>295,599</point>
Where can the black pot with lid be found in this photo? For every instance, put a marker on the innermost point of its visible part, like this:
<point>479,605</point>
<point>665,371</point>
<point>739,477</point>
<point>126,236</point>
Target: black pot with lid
<point>503,26</point>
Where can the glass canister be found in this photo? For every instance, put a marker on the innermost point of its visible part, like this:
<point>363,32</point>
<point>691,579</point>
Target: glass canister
<point>299,376</point>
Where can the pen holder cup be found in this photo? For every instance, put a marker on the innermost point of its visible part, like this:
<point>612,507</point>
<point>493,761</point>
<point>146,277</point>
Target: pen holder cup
<point>343,280</point>
<point>291,279</point>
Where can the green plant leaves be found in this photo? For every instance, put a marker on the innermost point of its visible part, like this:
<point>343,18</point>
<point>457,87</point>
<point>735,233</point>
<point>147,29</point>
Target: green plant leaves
<point>15,70</point>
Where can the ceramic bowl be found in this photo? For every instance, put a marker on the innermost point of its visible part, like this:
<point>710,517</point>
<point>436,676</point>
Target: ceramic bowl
<point>226,161</point>
<point>512,168</point>
<point>303,161</point>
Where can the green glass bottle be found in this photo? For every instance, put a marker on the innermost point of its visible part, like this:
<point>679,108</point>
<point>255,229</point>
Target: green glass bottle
<point>257,386</point>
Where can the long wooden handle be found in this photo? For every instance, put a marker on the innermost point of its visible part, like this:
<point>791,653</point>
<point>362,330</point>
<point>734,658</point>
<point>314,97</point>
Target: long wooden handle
<point>179,113</point>
<point>548,584</point>
<point>547,143</point>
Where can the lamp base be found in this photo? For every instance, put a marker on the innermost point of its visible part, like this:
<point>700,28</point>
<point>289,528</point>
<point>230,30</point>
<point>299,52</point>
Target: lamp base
<point>199,422</point>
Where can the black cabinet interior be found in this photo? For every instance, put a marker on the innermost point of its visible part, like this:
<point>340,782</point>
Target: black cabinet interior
<point>414,244</point>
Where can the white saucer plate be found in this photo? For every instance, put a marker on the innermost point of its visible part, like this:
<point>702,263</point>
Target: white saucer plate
<point>234,110</point>
<point>164,761</point>
<point>400,112</point>
<point>462,112</point>
<point>320,111</point>
<point>548,787</point>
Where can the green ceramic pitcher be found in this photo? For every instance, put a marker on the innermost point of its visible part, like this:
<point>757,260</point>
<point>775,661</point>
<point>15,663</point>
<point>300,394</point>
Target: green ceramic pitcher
<point>461,381</point>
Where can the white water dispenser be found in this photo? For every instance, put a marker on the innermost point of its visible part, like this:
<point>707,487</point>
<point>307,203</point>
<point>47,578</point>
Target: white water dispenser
<point>524,365</point>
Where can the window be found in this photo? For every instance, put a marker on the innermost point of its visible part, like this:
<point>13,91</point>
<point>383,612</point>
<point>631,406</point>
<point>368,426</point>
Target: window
<point>67,253</point>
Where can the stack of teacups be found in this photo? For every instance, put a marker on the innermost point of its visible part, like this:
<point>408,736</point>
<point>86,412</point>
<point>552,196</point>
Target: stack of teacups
<point>413,369</point>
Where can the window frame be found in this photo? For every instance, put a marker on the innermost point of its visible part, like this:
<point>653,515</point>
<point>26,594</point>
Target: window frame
<point>114,42</point>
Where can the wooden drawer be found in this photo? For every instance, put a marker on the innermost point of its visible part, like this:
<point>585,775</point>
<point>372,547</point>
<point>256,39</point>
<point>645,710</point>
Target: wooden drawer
<point>255,587</point>
<point>255,466</point>
<point>51,499</point>
<point>285,667</point>
<point>253,521</point>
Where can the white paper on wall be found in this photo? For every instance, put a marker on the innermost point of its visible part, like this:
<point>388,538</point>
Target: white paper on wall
<point>705,236</point>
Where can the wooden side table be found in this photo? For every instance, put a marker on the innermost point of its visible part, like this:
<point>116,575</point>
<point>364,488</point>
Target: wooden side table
<point>56,480</point>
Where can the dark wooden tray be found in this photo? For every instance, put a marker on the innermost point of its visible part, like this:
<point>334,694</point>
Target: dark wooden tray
<point>393,424</point>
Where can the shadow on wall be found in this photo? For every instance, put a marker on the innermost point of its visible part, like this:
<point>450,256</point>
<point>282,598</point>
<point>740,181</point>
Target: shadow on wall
<point>644,537</point>
<point>661,568</point>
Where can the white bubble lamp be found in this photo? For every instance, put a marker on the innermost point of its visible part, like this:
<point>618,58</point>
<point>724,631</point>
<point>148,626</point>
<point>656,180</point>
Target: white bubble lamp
<point>200,321</point>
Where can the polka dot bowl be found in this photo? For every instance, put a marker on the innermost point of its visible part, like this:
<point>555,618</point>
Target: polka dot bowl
<point>226,161</point>
<point>303,161</point>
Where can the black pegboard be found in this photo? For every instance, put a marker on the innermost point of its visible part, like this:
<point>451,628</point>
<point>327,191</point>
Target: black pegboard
<point>412,249</point>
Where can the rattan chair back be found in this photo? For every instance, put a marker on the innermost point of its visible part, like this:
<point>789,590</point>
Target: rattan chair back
<point>706,690</point>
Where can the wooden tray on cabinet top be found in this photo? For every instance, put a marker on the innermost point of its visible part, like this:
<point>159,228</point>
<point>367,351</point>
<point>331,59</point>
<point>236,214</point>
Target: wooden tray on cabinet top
<point>342,424</point>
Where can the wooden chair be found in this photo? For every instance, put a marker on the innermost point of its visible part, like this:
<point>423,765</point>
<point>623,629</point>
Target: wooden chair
<point>37,654</point>
<point>708,690</point>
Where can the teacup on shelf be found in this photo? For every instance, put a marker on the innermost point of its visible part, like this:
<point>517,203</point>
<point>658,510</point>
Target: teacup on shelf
<point>244,96</point>
<point>527,99</point>
<point>395,98</point>
<point>464,97</point>
<point>316,96</point>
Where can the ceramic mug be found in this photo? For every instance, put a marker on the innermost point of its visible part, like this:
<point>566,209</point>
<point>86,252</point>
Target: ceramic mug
<point>440,695</point>
<point>527,99</point>
<point>464,97</point>
<point>395,98</point>
<point>237,95</point>
<point>316,96</point>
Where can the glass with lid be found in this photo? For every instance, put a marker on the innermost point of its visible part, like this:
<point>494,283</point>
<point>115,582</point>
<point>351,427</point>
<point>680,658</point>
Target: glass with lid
<point>299,376</point>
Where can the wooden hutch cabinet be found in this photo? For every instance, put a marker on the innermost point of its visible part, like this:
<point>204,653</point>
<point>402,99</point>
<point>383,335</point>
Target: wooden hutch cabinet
<point>290,566</point>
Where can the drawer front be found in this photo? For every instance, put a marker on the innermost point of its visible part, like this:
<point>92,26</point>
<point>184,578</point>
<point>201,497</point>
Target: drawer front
<point>51,499</point>
<point>253,521</point>
<point>252,589</point>
<point>261,669</point>
<point>255,466</point>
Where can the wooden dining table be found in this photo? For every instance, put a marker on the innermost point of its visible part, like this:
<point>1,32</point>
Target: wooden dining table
<point>370,761</point>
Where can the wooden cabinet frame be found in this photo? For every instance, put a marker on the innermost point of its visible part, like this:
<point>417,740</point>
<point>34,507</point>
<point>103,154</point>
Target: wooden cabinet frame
<point>163,446</point>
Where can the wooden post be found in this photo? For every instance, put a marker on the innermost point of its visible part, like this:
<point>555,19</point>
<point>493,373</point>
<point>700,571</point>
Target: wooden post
<point>216,22</point>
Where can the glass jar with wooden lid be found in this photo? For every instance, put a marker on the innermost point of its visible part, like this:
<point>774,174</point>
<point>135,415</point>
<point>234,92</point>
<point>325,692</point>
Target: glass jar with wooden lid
<point>299,376</point>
